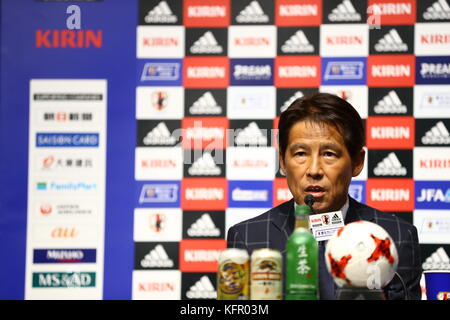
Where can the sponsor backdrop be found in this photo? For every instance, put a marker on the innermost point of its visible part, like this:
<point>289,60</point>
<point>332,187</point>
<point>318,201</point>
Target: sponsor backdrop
<point>135,133</point>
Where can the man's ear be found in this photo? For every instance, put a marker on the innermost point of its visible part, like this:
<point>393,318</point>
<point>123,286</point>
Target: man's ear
<point>358,164</point>
<point>282,165</point>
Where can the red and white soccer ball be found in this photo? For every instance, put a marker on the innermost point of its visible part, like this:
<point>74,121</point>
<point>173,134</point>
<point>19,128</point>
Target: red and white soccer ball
<point>361,254</point>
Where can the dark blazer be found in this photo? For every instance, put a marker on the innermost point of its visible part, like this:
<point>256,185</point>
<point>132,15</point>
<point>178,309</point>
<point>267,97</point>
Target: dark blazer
<point>272,229</point>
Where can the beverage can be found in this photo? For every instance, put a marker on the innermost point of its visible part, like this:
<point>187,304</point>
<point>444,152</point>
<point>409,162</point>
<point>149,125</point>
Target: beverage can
<point>233,275</point>
<point>266,275</point>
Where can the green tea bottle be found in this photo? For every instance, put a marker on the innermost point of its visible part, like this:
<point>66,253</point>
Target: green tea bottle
<point>302,271</point>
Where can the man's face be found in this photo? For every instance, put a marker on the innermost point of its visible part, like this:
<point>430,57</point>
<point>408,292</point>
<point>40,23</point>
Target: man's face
<point>317,162</point>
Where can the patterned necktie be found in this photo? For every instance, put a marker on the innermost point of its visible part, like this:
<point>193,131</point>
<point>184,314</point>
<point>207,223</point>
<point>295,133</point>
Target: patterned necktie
<point>326,282</point>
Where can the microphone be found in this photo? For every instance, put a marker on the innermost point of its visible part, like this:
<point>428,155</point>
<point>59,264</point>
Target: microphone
<point>309,201</point>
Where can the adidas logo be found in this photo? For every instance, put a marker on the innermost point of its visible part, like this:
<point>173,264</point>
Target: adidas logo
<point>439,10</point>
<point>206,104</point>
<point>159,135</point>
<point>253,13</point>
<point>202,289</point>
<point>391,42</point>
<point>390,166</point>
<point>297,43</point>
<point>438,134</point>
<point>157,258</point>
<point>161,13</point>
<point>207,43</point>
<point>287,103</point>
<point>336,219</point>
<point>439,260</point>
<point>203,227</point>
<point>204,165</point>
<point>251,135</point>
<point>345,11</point>
<point>390,103</point>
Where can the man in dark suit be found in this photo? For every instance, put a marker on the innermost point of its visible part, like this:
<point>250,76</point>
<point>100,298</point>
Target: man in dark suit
<point>321,139</point>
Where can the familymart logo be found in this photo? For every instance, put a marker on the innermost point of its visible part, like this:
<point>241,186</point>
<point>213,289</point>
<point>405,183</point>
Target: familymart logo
<point>64,279</point>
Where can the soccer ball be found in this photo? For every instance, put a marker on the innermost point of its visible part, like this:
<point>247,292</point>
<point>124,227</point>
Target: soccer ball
<point>361,254</point>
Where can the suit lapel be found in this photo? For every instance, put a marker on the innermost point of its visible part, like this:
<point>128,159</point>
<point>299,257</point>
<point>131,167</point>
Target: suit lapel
<point>283,221</point>
<point>357,211</point>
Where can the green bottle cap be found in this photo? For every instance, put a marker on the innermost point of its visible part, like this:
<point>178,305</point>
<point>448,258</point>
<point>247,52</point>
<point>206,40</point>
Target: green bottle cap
<point>302,210</point>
